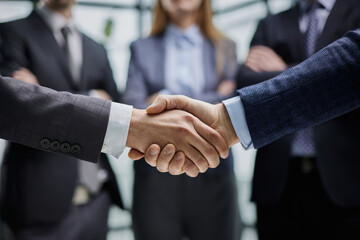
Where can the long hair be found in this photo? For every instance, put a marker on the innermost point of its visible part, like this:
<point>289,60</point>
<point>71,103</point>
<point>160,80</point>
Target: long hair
<point>206,25</point>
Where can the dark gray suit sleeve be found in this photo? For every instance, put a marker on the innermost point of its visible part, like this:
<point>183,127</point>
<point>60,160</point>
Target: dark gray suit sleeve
<point>52,121</point>
<point>321,88</point>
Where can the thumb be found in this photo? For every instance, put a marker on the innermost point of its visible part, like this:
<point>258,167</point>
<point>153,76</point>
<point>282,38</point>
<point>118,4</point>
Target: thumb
<point>135,154</point>
<point>158,106</point>
<point>165,102</point>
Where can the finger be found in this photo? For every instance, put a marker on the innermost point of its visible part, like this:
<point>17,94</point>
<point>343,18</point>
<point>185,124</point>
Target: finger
<point>135,154</point>
<point>195,156</point>
<point>190,169</point>
<point>165,157</point>
<point>152,154</point>
<point>177,164</point>
<point>214,145</point>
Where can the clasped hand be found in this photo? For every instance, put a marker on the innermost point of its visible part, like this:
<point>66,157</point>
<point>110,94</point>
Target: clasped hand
<point>181,135</point>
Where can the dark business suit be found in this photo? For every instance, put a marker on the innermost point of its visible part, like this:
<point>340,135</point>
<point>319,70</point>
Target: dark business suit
<point>20,111</point>
<point>171,207</point>
<point>336,141</point>
<point>38,186</point>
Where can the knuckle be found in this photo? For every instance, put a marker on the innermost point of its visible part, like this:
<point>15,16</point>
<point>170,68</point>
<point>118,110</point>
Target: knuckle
<point>182,130</point>
<point>213,136</point>
<point>210,151</point>
<point>189,118</point>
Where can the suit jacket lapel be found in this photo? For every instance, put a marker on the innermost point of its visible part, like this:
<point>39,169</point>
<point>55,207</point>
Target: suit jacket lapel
<point>298,37</point>
<point>85,62</point>
<point>339,11</point>
<point>46,37</point>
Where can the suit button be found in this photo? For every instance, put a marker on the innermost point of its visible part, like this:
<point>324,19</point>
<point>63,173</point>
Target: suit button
<point>75,149</point>
<point>65,147</point>
<point>55,146</point>
<point>45,143</point>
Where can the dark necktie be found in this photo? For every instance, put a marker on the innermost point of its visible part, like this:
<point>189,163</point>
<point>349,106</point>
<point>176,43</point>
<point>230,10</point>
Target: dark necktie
<point>66,49</point>
<point>303,143</point>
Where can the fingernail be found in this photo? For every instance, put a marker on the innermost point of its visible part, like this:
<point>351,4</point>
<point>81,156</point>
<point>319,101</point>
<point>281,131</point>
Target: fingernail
<point>178,157</point>
<point>168,152</point>
<point>153,152</point>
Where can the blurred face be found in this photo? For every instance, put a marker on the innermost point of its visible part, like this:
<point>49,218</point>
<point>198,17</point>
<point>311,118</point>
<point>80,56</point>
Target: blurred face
<point>59,4</point>
<point>180,7</point>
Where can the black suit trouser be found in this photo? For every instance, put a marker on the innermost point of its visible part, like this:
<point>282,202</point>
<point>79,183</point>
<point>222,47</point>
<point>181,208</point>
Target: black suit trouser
<point>169,207</point>
<point>84,222</point>
<point>305,211</point>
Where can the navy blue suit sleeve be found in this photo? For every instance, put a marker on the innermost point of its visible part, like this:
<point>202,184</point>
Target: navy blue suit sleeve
<point>319,89</point>
<point>246,77</point>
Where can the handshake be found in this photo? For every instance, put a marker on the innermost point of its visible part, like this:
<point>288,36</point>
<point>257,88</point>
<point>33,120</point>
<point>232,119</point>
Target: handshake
<point>181,135</point>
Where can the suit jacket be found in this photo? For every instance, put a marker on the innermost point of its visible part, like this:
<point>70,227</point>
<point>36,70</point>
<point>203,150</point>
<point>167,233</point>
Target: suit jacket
<point>23,120</point>
<point>146,77</point>
<point>38,186</point>
<point>321,88</point>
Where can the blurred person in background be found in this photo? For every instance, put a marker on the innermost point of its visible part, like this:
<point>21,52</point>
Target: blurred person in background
<point>46,195</point>
<point>185,54</point>
<point>305,185</point>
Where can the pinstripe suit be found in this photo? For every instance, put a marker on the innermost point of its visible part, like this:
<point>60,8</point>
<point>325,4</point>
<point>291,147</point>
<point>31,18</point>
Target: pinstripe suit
<point>327,200</point>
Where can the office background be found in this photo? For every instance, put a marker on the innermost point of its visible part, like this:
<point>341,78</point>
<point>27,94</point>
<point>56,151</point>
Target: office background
<point>116,23</point>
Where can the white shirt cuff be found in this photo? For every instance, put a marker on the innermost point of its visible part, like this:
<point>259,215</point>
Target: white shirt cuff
<point>236,112</point>
<point>117,130</point>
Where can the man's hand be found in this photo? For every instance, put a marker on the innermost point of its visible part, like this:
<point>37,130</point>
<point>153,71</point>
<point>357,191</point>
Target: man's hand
<point>25,75</point>
<point>261,58</point>
<point>200,143</point>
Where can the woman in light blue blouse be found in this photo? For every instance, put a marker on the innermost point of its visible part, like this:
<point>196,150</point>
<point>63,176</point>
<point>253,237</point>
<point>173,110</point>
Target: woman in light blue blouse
<point>185,54</point>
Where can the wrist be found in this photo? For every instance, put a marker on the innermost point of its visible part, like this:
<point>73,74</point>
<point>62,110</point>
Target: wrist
<point>133,134</point>
<point>228,131</point>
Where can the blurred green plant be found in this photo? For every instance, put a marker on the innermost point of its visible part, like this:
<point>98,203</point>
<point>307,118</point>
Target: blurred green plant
<point>108,29</point>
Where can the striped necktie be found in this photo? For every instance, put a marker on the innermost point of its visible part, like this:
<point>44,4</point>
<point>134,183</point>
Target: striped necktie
<point>303,143</point>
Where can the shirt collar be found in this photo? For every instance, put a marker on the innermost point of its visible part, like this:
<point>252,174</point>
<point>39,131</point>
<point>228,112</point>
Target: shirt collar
<point>327,4</point>
<point>55,20</point>
<point>192,33</point>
